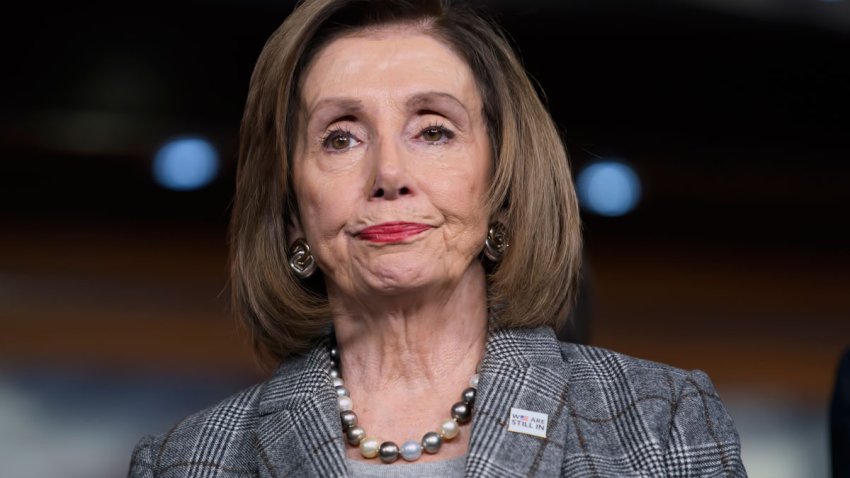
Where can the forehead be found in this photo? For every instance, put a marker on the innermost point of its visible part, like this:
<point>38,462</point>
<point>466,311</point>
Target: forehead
<point>388,63</point>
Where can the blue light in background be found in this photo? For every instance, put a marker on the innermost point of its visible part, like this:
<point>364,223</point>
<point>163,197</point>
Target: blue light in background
<point>608,188</point>
<point>185,164</point>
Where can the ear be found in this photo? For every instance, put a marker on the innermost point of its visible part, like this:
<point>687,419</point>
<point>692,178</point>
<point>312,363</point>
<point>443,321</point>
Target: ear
<point>293,228</point>
<point>500,216</point>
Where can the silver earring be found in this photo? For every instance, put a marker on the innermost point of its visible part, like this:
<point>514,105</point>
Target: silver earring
<point>496,243</point>
<point>301,261</point>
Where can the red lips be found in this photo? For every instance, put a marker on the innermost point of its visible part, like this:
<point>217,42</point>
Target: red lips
<point>392,231</point>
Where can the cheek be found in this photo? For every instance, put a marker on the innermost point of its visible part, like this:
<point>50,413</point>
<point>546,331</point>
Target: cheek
<point>324,206</point>
<point>318,204</point>
<point>461,196</point>
<point>472,184</point>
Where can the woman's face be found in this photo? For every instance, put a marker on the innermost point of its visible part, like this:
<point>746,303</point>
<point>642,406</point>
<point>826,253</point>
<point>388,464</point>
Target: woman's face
<point>392,164</point>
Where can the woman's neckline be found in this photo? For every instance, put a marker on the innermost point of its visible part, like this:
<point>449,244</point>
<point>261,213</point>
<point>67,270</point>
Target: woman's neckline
<point>427,464</point>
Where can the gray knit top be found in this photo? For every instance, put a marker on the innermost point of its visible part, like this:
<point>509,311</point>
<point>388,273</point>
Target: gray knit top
<point>444,469</point>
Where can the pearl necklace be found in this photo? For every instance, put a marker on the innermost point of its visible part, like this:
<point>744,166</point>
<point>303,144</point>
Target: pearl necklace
<point>388,451</point>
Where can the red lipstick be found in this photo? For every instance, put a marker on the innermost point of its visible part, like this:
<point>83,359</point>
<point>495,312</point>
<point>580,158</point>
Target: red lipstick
<point>389,232</point>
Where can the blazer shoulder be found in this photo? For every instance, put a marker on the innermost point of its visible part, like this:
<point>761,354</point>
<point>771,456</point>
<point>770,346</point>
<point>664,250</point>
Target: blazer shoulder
<point>216,437</point>
<point>649,405</point>
<point>637,381</point>
<point>598,357</point>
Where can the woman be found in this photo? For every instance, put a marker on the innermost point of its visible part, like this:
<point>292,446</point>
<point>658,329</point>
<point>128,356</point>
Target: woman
<point>405,234</point>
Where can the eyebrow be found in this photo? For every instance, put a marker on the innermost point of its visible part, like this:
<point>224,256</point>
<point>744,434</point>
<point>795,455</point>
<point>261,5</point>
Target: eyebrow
<point>349,105</point>
<point>428,98</point>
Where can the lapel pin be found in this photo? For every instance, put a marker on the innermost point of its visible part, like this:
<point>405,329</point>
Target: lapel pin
<point>528,422</point>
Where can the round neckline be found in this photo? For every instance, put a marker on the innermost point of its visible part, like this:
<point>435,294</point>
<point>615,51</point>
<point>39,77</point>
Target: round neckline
<point>451,461</point>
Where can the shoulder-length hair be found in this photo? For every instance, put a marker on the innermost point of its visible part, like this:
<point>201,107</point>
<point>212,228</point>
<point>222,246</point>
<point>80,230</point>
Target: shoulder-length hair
<point>531,193</point>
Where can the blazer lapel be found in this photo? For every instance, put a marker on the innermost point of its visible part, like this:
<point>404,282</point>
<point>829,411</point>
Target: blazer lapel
<point>523,370</point>
<point>298,429</point>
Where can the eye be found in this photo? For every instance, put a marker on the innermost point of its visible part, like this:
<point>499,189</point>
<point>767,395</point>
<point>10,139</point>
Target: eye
<point>339,140</point>
<point>436,134</point>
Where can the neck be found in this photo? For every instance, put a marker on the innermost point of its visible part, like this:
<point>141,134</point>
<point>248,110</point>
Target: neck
<point>406,362</point>
<point>415,340</point>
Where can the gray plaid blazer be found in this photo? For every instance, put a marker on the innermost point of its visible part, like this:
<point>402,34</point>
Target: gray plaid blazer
<point>608,415</point>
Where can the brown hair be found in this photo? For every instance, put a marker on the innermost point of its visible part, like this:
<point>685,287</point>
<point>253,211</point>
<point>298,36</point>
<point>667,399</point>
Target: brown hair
<point>532,192</point>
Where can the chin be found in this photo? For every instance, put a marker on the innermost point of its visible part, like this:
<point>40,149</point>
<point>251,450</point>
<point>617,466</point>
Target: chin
<point>394,276</point>
<point>399,282</point>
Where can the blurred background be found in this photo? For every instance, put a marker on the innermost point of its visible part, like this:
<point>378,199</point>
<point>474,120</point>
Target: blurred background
<point>708,139</point>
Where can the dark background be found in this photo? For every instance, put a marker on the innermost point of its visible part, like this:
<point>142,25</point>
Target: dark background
<point>734,119</point>
<point>733,114</point>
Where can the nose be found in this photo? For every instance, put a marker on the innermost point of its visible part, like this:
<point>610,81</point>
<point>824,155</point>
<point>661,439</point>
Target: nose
<point>391,179</point>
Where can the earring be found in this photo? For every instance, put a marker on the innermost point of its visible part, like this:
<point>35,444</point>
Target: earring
<point>301,261</point>
<point>496,242</point>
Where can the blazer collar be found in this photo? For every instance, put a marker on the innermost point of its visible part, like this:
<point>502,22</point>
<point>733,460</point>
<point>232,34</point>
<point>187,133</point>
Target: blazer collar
<point>298,428</point>
<point>299,434</point>
<point>522,369</point>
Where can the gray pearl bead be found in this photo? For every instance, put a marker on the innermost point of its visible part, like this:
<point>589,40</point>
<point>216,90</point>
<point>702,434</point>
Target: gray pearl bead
<point>388,452</point>
<point>461,412</point>
<point>335,353</point>
<point>354,435</point>
<point>349,419</point>
<point>411,450</point>
<point>334,373</point>
<point>432,442</point>
<point>341,391</point>
<point>468,396</point>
